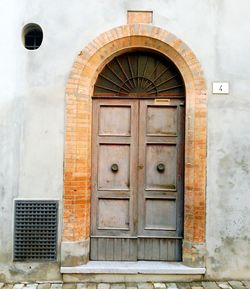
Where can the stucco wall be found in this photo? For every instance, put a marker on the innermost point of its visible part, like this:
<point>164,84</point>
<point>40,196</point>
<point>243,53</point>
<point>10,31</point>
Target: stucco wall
<point>32,111</point>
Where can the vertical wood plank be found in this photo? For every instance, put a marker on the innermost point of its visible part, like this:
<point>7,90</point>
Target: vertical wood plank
<point>178,250</point>
<point>156,249</point>
<point>94,249</point>
<point>148,249</point>
<point>133,249</point>
<point>163,250</point>
<point>171,250</point>
<point>118,249</point>
<point>110,249</point>
<point>101,249</point>
<point>125,249</point>
<point>140,249</point>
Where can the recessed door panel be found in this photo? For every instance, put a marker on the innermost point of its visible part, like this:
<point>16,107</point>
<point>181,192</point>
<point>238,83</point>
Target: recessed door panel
<point>161,120</point>
<point>115,120</point>
<point>113,214</point>
<point>160,214</point>
<point>114,167</point>
<point>161,166</point>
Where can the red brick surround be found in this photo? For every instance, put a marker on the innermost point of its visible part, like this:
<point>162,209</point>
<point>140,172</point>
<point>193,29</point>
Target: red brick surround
<point>77,161</point>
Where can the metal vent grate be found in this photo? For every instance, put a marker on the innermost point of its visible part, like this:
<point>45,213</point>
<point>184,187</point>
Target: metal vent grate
<point>35,236</point>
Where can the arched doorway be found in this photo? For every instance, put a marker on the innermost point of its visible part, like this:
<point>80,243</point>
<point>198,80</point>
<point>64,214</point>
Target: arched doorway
<point>78,130</point>
<point>138,159</point>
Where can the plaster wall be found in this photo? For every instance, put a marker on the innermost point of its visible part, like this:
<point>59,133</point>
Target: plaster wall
<point>32,112</point>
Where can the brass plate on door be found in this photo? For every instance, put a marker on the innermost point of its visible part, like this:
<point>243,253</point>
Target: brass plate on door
<point>162,101</point>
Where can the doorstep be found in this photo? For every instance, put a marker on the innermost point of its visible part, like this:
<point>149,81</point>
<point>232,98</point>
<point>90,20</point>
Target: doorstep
<point>139,267</point>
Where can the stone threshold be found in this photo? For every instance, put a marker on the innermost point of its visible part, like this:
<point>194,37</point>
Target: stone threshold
<point>139,267</point>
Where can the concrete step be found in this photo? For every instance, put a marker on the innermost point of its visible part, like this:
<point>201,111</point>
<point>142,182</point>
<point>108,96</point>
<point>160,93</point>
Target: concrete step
<point>141,271</point>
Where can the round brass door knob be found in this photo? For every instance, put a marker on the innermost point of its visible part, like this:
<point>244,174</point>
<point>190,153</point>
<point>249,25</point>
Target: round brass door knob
<point>160,168</point>
<point>114,168</point>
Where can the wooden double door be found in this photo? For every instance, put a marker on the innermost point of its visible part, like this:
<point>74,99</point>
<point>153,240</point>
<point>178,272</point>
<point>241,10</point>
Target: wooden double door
<point>137,179</point>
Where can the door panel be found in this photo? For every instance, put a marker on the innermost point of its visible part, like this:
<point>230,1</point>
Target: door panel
<point>160,214</point>
<point>108,212</point>
<point>161,120</point>
<point>137,180</point>
<point>160,186</point>
<point>118,176</point>
<point>160,166</point>
<point>114,182</point>
<point>115,120</point>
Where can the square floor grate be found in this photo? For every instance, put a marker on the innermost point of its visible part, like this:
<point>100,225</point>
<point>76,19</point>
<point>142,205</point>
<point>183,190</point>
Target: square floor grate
<point>35,236</point>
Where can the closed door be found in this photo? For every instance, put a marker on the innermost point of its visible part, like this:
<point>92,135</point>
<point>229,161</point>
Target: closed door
<point>137,180</point>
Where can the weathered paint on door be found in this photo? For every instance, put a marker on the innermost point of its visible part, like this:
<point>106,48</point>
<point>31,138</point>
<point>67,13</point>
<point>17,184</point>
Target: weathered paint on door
<point>137,179</point>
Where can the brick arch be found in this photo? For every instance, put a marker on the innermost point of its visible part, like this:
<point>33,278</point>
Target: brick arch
<point>77,158</point>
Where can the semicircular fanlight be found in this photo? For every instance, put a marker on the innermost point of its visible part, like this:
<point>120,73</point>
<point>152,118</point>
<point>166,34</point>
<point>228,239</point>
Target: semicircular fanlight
<point>139,74</point>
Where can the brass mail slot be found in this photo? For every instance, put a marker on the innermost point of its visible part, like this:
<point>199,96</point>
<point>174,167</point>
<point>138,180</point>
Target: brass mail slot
<point>162,100</point>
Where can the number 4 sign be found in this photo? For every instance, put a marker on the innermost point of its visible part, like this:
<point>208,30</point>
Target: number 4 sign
<point>220,87</point>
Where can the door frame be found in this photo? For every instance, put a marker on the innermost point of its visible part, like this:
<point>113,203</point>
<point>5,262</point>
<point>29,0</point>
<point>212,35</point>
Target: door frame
<point>77,157</point>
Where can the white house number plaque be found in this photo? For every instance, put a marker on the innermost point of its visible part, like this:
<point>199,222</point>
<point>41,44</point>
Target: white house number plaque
<point>220,88</point>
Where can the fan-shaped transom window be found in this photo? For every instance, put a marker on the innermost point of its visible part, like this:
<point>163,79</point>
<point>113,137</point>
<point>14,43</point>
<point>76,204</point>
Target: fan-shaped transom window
<point>140,74</point>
